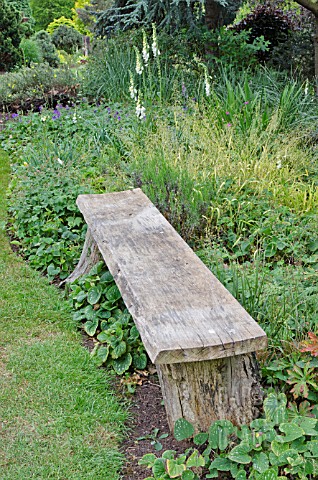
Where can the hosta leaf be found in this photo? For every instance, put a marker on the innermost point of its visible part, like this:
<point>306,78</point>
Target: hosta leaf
<point>102,354</point>
<point>260,462</point>
<point>239,454</point>
<point>119,350</point>
<point>113,294</point>
<point>140,361</point>
<point>174,469</point>
<point>183,429</point>
<point>122,364</point>
<point>291,430</point>
<point>195,460</point>
<point>90,327</point>
<point>94,294</point>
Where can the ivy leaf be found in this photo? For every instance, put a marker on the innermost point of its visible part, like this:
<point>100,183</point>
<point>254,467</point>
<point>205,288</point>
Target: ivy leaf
<point>183,429</point>
<point>122,364</point>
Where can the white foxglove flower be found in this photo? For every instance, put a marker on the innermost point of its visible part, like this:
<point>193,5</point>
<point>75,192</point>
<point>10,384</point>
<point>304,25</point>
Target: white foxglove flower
<point>132,88</point>
<point>154,46</point>
<point>145,49</point>
<point>139,65</point>
<point>140,110</point>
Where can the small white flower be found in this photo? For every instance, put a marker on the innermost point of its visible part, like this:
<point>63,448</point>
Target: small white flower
<point>140,110</point>
<point>279,164</point>
<point>145,49</point>
<point>60,161</point>
<point>132,88</point>
<point>43,119</point>
<point>74,119</point>
<point>154,46</point>
<point>139,65</point>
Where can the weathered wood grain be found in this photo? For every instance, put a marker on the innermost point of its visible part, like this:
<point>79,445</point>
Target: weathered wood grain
<point>183,313</point>
<point>202,392</point>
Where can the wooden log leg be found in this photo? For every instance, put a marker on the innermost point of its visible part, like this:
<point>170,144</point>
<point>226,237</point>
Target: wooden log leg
<point>90,256</point>
<point>202,392</point>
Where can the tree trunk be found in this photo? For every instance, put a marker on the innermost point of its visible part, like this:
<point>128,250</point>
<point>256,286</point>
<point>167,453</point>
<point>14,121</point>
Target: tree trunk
<point>214,14</point>
<point>202,392</point>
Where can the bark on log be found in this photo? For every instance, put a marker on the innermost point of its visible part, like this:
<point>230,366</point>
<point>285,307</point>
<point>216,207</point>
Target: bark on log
<point>89,257</point>
<point>202,392</point>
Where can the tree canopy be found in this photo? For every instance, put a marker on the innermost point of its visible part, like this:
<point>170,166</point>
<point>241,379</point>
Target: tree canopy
<point>45,11</point>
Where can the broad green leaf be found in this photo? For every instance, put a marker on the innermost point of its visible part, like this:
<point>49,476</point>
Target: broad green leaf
<point>183,429</point>
<point>222,464</point>
<point>140,361</point>
<point>270,474</point>
<point>104,314</point>
<point>94,294</point>
<point>81,296</point>
<point>90,327</point>
<point>187,475</point>
<point>119,350</point>
<point>174,469</point>
<point>279,448</point>
<point>241,475</point>
<point>122,364</point>
<point>102,354</point>
<point>106,278</point>
<point>291,430</point>
<point>219,433</point>
<point>260,462</point>
<point>308,425</point>
<point>169,454</point>
<point>104,336</point>
<point>200,438</point>
<point>195,460</point>
<point>113,294</point>
<point>239,454</point>
<point>275,407</point>
<point>313,447</point>
<point>158,468</point>
<point>213,474</point>
<point>52,271</point>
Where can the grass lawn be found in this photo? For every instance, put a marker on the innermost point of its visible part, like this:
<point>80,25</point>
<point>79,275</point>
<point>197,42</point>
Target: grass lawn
<point>58,415</point>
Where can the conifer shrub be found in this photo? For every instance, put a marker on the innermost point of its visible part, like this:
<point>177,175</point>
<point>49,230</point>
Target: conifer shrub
<point>10,36</point>
<point>67,38</point>
<point>49,52</point>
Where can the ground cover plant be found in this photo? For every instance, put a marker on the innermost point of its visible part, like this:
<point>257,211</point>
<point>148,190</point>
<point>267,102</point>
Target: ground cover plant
<point>59,415</point>
<point>230,159</point>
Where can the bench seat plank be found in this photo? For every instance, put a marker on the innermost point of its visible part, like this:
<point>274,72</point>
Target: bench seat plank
<point>183,313</point>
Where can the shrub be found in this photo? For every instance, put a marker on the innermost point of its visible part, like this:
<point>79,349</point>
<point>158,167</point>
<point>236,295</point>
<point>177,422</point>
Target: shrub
<point>48,49</point>
<point>58,22</point>
<point>31,51</point>
<point>46,12</point>
<point>266,21</point>
<point>67,39</point>
<point>10,36</point>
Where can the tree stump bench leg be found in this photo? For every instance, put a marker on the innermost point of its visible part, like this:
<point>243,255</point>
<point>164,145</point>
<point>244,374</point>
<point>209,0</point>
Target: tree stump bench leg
<point>202,392</point>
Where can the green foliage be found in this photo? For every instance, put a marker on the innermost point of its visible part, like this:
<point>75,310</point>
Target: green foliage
<point>97,302</point>
<point>27,20</point>
<point>58,22</point>
<point>269,448</point>
<point>10,36</point>
<point>45,13</point>
<point>31,84</point>
<point>48,49</point>
<point>31,50</point>
<point>67,38</point>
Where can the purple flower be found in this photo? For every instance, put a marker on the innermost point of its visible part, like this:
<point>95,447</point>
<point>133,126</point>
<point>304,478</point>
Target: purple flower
<point>15,115</point>
<point>246,103</point>
<point>57,114</point>
<point>40,108</point>
<point>229,125</point>
<point>227,113</point>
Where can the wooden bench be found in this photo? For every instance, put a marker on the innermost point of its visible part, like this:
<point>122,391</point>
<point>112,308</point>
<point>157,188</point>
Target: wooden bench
<point>200,338</point>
